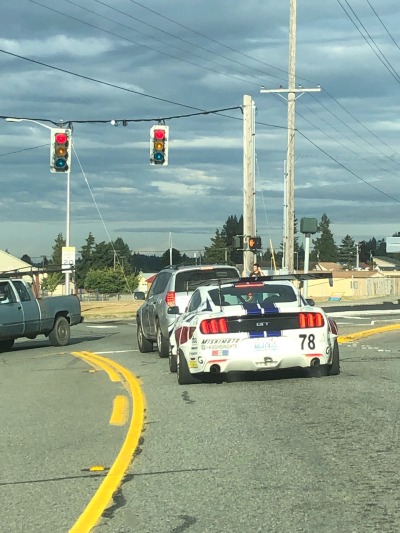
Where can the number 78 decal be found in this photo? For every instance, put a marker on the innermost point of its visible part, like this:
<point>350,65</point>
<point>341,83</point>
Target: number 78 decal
<point>308,341</point>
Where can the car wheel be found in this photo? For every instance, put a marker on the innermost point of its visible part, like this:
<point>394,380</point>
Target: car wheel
<point>184,375</point>
<point>5,346</point>
<point>334,369</point>
<point>173,362</point>
<point>60,334</point>
<point>162,343</point>
<point>144,344</point>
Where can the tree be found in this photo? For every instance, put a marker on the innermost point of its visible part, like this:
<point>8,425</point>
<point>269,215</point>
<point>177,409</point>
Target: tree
<point>232,227</point>
<point>105,280</point>
<point>51,282</point>
<point>347,252</point>
<point>177,258</point>
<point>325,248</point>
<point>217,251</point>
<point>56,256</point>
<point>26,259</point>
<point>84,263</point>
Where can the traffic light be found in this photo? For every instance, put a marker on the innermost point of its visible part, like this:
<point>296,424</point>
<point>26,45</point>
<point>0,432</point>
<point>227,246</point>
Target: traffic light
<point>159,145</point>
<point>60,150</point>
<point>254,243</point>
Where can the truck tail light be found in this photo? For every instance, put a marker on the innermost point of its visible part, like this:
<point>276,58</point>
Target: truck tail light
<point>170,298</point>
<point>311,320</point>
<point>212,326</point>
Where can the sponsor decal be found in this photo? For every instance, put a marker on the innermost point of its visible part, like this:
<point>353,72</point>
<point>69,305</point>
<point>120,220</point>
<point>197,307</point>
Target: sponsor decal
<point>217,353</point>
<point>200,360</point>
<point>193,364</point>
<point>210,342</point>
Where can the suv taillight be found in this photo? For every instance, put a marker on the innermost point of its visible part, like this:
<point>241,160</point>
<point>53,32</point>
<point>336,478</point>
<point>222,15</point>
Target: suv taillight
<point>311,320</point>
<point>214,325</point>
<point>170,298</point>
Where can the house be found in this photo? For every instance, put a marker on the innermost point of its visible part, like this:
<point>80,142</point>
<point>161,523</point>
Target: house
<point>8,262</point>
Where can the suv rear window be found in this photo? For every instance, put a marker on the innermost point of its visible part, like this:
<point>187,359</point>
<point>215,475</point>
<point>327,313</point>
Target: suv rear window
<point>184,280</point>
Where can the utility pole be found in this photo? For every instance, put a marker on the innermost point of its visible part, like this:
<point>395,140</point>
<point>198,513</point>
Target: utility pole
<point>249,224</point>
<point>291,91</point>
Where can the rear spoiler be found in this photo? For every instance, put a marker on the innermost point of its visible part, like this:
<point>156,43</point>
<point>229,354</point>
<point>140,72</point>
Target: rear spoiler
<point>291,277</point>
<point>273,277</point>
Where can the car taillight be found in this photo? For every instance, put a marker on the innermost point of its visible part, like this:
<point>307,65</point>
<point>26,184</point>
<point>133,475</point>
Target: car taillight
<point>184,334</point>
<point>170,298</point>
<point>214,325</point>
<point>311,320</point>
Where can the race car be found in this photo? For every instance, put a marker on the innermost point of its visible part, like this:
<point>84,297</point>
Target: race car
<point>253,324</point>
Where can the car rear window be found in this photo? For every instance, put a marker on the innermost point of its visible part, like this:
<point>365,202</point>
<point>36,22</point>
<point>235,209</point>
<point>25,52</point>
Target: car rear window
<point>187,281</point>
<point>267,294</point>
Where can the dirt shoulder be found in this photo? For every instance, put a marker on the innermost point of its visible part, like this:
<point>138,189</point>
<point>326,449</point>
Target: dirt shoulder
<point>118,309</point>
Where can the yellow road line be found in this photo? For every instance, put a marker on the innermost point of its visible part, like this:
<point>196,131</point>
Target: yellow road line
<point>120,411</point>
<point>360,334</point>
<point>96,363</point>
<point>103,496</point>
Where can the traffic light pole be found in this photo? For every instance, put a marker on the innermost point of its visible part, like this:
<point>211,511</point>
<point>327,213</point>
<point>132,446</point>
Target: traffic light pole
<point>68,223</point>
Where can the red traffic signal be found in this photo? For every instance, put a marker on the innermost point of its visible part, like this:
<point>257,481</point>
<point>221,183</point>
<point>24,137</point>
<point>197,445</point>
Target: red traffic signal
<point>60,150</point>
<point>159,145</point>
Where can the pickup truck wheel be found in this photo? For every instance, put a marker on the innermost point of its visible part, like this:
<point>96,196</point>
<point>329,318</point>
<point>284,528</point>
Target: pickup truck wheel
<point>144,344</point>
<point>162,343</point>
<point>5,346</point>
<point>60,334</point>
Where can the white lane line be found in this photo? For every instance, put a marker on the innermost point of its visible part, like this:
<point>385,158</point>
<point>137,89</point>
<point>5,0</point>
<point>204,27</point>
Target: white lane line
<point>100,327</point>
<point>116,351</point>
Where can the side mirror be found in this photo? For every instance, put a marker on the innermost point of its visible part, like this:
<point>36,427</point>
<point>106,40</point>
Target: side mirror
<point>310,301</point>
<point>174,310</point>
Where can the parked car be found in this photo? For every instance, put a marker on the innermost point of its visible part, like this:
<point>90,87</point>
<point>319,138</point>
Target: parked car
<point>22,315</point>
<point>252,325</point>
<point>172,288</point>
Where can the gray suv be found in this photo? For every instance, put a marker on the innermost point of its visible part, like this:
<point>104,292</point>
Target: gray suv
<point>172,287</point>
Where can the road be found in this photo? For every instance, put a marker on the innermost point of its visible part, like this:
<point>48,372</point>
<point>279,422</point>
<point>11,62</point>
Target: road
<point>273,453</point>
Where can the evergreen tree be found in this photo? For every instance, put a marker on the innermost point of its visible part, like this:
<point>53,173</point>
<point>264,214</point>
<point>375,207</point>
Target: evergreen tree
<point>84,263</point>
<point>347,252</point>
<point>177,258</point>
<point>325,248</point>
<point>26,259</point>
<point>232,227</point>
<point>216,252</point>
<point>56,256</point>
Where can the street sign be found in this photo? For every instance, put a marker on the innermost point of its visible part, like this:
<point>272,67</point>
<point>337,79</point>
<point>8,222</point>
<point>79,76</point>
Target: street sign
<point>68,258</point>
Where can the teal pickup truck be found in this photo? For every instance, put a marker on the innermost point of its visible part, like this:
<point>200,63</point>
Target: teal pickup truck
<point>23,315</point>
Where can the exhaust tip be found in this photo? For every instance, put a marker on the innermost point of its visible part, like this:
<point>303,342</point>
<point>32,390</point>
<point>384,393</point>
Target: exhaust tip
<point>315,362</point>
<point>215,369</point>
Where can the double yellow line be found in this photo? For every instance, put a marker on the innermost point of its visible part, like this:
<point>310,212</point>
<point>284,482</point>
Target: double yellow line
<point>114,477</point>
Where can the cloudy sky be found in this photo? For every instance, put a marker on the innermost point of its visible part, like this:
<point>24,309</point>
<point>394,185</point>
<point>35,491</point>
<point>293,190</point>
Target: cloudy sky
<point>143,61</point>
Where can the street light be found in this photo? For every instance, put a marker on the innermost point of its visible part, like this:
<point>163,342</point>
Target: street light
<point>68,222</point>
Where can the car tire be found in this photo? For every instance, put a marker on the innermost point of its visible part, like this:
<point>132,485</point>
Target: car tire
<point>183,372</point>
<point>60,334</point>
<point>334,368</point>
<point>162,343</point>
<point>173,362</point>
<point>6,346</point>
<point>144,344</point>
